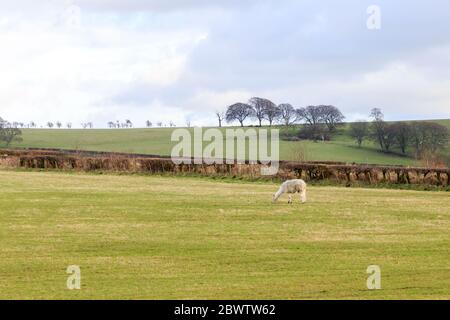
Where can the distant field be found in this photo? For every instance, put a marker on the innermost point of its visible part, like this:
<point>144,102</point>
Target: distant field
<point>157,141</point>
<point>139,237</point>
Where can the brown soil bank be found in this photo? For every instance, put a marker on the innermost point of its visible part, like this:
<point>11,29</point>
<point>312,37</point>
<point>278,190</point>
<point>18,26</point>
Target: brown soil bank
<point>343,173</point>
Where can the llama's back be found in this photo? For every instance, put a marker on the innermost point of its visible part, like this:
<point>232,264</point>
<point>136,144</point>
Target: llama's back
<point>294,182</point>
<point>294,185</point>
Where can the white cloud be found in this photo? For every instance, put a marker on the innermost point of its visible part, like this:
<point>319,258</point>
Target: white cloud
<point>102,60</point>
<point>57,72</point>
<point>401,88</point>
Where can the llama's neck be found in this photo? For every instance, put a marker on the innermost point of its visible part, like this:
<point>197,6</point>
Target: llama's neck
<point>279,193</point>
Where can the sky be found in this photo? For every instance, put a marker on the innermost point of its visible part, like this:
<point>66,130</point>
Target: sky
<point>182,60</point>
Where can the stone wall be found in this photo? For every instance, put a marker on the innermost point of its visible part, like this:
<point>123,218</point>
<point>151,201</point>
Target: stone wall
<point>342,173</point>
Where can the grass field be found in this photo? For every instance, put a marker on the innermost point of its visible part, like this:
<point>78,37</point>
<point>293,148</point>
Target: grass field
<point>157,141</point>
<point>189,238</point>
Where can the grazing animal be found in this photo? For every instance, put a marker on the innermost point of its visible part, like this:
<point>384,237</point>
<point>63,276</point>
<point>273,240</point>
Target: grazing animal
<point>292,186</point>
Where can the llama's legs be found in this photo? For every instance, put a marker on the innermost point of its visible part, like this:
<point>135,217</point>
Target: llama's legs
<point>290,199</point>
<point>303,196</point>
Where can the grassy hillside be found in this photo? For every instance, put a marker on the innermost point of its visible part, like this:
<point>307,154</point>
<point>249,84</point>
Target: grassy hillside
<point>137,237</point>
<point>157,141</point>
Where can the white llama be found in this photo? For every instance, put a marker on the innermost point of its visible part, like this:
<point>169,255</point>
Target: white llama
<point>292,186</point>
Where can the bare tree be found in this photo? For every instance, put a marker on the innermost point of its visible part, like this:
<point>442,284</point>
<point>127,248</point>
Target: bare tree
<point>59,124</point>
<point>258,108</point>
<point>4,123</point>
<point>311,114</point>
<point>260,105</point>
<point>376,114</point>
<point>401,132</point>
<point>220,117</point>
<point>9,134</point>
<point>390,138</point>
<point>50,124</point>
<point>359,130</point>
<point>148,124</point>
<point>111,124</point>
<point>314,119</point>
<point>287,114</point>
<point>69,125</point>
<point>239,112</point>
<point>332,116</point>
<point>428,137</point>
<point>128,123</point>
<point>379,128</point>
<point>271,113</point>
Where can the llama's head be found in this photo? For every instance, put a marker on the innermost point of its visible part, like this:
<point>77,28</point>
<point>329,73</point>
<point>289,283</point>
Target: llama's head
<point>274,198</point>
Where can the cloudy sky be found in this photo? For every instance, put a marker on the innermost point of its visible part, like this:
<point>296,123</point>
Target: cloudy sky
<point>163,60</point>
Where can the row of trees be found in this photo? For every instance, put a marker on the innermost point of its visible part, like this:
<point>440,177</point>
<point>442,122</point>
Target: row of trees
<point>90,125</point>
<point>261,109</point>
<point>9,132</point>
<point>21,125</point>
<point>160,124</point>
<point>49,124</point>
<point>423,137</point>
<point>128,124</point>
<point>117,124</point>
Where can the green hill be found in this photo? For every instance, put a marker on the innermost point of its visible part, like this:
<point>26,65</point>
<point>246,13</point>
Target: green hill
<point>157,141</point>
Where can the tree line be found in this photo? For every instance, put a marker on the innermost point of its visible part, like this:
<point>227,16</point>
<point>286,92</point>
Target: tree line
<point>320,121</point>
<point>90,125</point>
<point>425,138</point>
